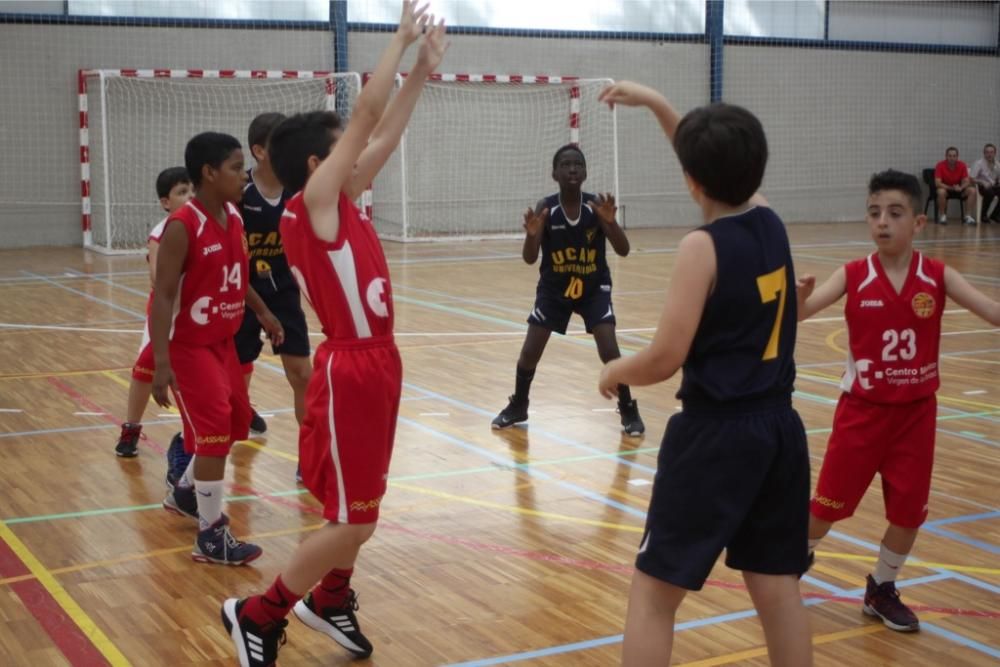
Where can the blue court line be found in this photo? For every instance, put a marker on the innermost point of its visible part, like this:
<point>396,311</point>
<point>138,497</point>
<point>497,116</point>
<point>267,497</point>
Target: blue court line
<point>959,576</point>
<point>86,296</point>
<point>965,518</point>
<point>970,436</point>
<point>106,281</point>
<point>958,537</point>
<point>680,627</point>
<point>968,642</point>
<point>534,472</point>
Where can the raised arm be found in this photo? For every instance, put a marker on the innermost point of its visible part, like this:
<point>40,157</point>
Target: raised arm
<point>809,302</point>
<point>606,210</point>
<point>534,229</point>
<point>390,128</point>
<point>633,94</point>
<point>322,191</point>
<point>690,285</point>
<point>967,296</point>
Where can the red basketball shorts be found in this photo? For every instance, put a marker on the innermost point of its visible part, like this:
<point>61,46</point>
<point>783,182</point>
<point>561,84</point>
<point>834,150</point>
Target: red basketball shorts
<point>896,441</point>
<point>144,364</point>
<point>211,395</point>
<point>345,443</point>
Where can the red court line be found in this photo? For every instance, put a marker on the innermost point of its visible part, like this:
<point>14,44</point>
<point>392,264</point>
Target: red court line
<point>85,402</point>
<point>59,626</point>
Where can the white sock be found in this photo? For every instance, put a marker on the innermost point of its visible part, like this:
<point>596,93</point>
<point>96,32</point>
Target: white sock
<point>889,564</point>
<point>209,496</point>
<point>814,543</point>
<point>187,479</point>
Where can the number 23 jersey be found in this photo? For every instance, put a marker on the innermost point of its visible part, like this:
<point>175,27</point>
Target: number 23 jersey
<point>894,339</point>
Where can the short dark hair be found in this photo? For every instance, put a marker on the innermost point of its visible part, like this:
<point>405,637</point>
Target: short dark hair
<point>724,149</point>
<point>170,177</point>
<point>989,146</point>
<point>950,149</point>
<point>261,128</point>
<point>297,138</point>
<point>566,148</point>
<point>890,179</point>
<point>211,148</point>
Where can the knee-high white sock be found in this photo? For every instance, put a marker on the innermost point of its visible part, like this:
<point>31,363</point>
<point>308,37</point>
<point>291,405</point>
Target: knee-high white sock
<point>187,479</point>
<point>889,564</point>
<point>209,496</point>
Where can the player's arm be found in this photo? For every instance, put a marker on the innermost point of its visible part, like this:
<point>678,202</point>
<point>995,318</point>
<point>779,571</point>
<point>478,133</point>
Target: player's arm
<point>690,285</point>
<point>152,249</point>
<point>169,267</point>
<point>322,192</point>
<point>606,210</point>
<point>534,230</point>
<point>811,302</point>
<point>967,296</point>
<point>267,319</point>
<point>390,128</point>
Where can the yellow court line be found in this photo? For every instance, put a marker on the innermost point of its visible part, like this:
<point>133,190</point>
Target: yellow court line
<point>918,563</point>
<point>836,574</point>
<point>268,450</point>
<point>940,398</point>
<point>59,374</point>
<point>817,640</point>
<point>63,599</point>
<point>832,344</point>
<point>519,510</point>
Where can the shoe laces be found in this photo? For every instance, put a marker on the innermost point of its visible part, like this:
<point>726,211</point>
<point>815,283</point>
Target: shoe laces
<point>352,600</point>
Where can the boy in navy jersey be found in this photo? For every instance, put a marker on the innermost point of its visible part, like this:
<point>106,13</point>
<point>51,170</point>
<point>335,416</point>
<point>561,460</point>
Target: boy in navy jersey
<point>887,414</point>
<point>570,229</point>
<point>733,468</point>
<point>263,203</point>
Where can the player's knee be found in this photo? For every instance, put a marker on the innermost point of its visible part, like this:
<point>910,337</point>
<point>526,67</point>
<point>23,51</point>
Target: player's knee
<point>357,533</point>
<point>298,373</point>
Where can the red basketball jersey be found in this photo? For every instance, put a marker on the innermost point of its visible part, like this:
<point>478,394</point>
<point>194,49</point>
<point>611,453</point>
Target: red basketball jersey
<point>346,281</point>
<point>213,284</point>
<point>894,338</point>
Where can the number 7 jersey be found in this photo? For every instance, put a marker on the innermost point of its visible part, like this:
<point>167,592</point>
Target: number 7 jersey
<point>894,339</point>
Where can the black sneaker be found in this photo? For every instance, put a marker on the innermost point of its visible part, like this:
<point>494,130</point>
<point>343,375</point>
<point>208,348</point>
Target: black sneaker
<point>298,474</point>
<point>631,421</point>
<point>181,500</point>
<point>256,646</point>
<point>515,412</point>
<point>257,424</point>
<point>216,544</point>
<point>882,601</point>
<point>341,625</point>
<point>128,441</point>
<point>177,460</point>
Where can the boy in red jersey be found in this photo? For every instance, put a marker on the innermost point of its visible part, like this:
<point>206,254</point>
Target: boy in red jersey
<point>173,187</point>
<point>886,418</point>
<point>198,304</point>
<point>353,396</point>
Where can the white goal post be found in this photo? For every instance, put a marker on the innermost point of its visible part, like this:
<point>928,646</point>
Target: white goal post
<point>136,122</point>
<point>478,151</point>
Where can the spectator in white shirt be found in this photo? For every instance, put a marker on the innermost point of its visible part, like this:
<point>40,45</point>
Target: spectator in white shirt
<point>986,175</point>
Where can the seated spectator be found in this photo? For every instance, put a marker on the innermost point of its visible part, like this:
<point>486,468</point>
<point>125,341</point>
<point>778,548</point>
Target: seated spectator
<point>986,176</point>
<point>951,177</point>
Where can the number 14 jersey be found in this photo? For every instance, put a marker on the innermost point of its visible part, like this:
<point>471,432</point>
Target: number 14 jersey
<point>894,338</point>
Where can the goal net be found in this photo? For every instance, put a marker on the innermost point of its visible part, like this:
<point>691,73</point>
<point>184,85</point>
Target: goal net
<point>135,123</point>
<point>478,151</point>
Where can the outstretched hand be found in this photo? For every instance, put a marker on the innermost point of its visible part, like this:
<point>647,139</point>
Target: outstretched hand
<point>433,46</point>
<point>534,222</point>
<point>413,21</point>
<point>606,208</point>
<point>628,93</point>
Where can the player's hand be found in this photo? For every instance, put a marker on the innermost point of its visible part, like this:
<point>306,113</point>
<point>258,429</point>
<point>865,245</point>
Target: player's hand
<point>163,379</point>
<point>607,385</point>
<point>413,21</point>
<point>275,332</point>
<point>606,208</point>
<point>534,222</point>
<point>803,289</point>
<point>628,93</point>
<point>432,47</point>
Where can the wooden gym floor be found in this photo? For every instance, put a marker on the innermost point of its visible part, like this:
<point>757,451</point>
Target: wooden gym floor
<point>495,547</point>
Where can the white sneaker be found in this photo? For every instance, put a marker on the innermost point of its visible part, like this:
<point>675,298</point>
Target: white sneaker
<point>969,220</point>
<point>943,220</point>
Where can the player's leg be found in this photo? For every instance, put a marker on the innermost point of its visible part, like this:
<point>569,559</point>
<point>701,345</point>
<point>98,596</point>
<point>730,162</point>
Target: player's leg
<point>248,348</point>
<point>906,482</point>
<point>942,206</point>
<point>649,622</point>
<point>783,617</point>
<point>287,307</point>
<point>969,197</point>
<point>607,349</point>
<point>139,390</point>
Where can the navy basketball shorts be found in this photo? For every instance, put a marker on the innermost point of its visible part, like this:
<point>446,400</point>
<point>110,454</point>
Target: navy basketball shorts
<point>734,481</point>
<point>552,310</point>
<point>286,305</point>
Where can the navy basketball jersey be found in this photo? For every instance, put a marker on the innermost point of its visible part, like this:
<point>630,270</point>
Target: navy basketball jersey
<point>261,217</point>
<point>745,340</point>
<point>573,251</point>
